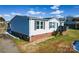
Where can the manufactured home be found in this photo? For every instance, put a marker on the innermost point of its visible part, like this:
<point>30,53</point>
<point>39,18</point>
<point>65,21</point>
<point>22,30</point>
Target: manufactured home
<point>32,27</point>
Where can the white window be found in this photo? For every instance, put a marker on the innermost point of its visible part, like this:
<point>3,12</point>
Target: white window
<point>51,24</point>
<point>39,24</point>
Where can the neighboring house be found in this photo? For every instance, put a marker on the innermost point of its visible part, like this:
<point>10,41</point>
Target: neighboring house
<point>73,22</point>
<point>32,27</point>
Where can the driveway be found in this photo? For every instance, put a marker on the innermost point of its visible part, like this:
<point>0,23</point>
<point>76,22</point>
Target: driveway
<point>7,45</point>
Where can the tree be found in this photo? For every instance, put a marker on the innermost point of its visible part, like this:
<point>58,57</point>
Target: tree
<point>2,19</point>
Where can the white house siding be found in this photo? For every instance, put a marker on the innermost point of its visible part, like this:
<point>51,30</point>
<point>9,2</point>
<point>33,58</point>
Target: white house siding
<point>32,31</point>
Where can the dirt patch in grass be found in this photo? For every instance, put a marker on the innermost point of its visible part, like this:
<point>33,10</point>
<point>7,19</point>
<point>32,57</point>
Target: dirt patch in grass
<point>55,46</point>
<point>7,45</point>
<point>20,43</point>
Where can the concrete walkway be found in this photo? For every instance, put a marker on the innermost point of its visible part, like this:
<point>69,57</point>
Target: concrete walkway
<point>7,45</point>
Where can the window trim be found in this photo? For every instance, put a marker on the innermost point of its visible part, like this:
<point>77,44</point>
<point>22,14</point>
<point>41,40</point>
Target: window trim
<point>40,25</point>
<point>52,25</point>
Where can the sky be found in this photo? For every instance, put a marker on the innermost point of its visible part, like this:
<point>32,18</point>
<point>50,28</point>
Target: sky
<point>41,11</point>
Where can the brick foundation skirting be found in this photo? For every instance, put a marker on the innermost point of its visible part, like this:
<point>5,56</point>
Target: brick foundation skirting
<point>32,38</point>
<point>40,36</point>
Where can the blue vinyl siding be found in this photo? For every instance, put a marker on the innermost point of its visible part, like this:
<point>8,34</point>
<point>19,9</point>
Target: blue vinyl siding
<point>20,25</point>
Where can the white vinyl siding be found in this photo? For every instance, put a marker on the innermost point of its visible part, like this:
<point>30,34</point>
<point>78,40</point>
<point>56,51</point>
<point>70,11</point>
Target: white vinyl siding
<point>34,31</point>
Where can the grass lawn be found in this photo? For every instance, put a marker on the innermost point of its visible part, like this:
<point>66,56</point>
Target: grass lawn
<point>55,44</point>
<point>60,43</point>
